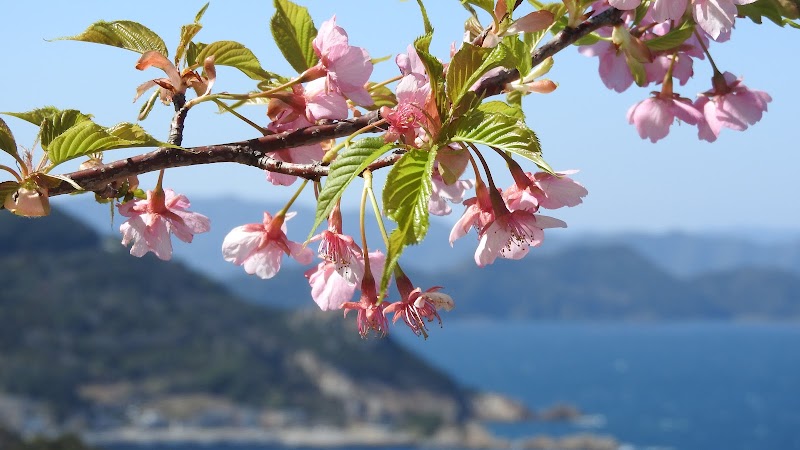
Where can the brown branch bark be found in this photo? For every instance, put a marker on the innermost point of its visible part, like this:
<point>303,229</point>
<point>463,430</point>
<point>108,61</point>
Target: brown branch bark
<point>255,152</point>
<point>566,37</point>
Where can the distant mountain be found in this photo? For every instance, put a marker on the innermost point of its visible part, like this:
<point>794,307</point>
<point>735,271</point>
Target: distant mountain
<point>580,276</point>
<point>93,332</point>
<point>690,254</point>
<point>580,283</point>
<point>615,282</point>
<point>683,254</point>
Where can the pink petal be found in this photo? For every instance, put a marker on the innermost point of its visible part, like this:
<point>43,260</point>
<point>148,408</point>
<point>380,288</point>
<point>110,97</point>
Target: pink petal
<point>329,36</point>
<point>239,244</point>
<point>264,263</point>
<point>715,17</point>
<point>328,288</point>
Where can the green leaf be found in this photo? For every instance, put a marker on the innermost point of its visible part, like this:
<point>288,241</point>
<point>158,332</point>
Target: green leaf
<point>236,55</point>
<point>88,137</point>
<point>294,31</point>
<point>486,5</point>
<point>519,53</point>
<point>405,200</point>
<point>344,169</point>
<point>671,40</point>
<point>505,132</point>
<point>435,71</point>
<point>7,142</point>
<point>773,10</point>
<point>188,32</point>
<point>498,107</point>
<point>144,111</point>
<point>469,64</point>
<point>58,123</point>
<point>36,116</point>
<point>382,95</point>
<point>123,34</point>
<point>200,13</point>
<point>192,50</point>
<point>425,21</point>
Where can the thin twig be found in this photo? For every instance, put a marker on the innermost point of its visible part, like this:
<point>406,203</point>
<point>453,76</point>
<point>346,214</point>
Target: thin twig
<point>255,152</point>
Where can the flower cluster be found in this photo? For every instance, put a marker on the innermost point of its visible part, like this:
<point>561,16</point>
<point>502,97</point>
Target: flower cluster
<point>626,56</point>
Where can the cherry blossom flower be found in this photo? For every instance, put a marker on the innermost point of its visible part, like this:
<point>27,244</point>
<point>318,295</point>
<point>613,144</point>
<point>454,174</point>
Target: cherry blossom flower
<point>259,247</point>
<point>730,104</point>
<point>716,17</point>
<point>665,10</point>
<point>443,193</point>
<point>512,234</point>
<point>546,191</point>
<point>152,220</point>
<point>408,117</point>
<point>333,282</point>
<point>409,63</point>
<point>478,214</point>
<point>346,68</point>
<point>371,313</point>
<point>329,289</point>
<point>625,5</point>
<point>614,71</point>
<point>371,316</point>
<point>652,117</point>
<point>417,307</point>
<point>683,69</point>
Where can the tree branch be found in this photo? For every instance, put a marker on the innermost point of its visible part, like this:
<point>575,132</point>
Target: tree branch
<point>255,152</point>
<point>496,84</point>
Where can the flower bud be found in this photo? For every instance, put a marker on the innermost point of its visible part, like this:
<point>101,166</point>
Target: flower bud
<point>28,202</point>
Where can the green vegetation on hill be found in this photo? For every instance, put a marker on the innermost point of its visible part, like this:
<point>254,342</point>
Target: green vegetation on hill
<point>82,324</point>
<point>11,441</point>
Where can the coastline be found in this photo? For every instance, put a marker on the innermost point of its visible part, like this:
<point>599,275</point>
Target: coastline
<point>472,435</point>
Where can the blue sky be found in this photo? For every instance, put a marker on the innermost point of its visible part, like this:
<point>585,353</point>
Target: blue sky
<point>742,181</point>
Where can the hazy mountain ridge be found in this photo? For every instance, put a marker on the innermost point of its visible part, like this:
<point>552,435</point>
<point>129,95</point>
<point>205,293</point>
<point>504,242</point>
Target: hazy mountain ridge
<point>609,282</point>
<point>680,253</point>
<point>630,276</point>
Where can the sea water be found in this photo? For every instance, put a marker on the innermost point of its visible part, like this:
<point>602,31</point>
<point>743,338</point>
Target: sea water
<point>695,386</point>
<point>685,386</point>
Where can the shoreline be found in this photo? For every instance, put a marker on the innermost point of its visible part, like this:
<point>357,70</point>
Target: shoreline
<point>471,436</point>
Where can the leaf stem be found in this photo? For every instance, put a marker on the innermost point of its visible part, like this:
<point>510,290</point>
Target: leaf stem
<point>367,174</point>
<point>384,83</point>
<point>283,210</point>
<point>12,172</point>
<point>239,116</point>
<point>330,155</point>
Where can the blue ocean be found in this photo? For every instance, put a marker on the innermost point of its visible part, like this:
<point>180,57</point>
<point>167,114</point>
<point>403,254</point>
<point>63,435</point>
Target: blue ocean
<point>685,386</point>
